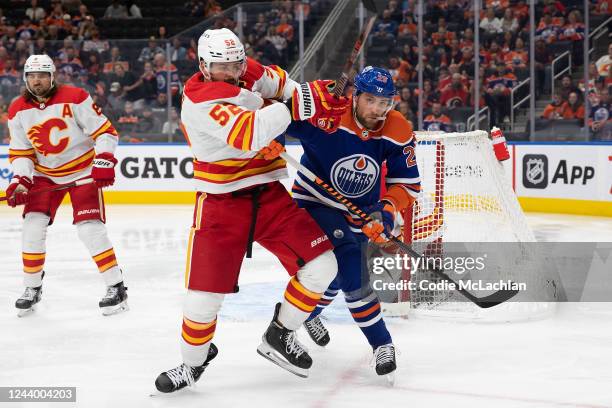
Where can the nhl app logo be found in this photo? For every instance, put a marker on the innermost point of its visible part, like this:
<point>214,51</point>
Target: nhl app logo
<point>535,171</point>
<point>355,175</point>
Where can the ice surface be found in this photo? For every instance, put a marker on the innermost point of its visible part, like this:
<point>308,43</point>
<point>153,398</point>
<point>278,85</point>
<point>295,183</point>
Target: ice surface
<point>563,361</point>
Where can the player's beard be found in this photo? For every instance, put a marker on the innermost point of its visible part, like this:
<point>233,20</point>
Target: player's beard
<point>369,122</point>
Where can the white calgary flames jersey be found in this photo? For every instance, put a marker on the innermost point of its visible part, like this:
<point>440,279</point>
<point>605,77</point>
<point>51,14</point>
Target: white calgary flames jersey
<point>226,125</point>
<point>56,139</point>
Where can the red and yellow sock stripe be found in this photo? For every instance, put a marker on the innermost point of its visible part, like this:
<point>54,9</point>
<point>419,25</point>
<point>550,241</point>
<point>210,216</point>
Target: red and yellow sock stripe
<point>33,262</point>
<point>198,334</point>
<point>105,260</point>
<point>300,297</point>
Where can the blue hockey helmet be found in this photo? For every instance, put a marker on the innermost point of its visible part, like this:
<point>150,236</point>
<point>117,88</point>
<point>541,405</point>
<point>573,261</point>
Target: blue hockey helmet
<point>375,81</point>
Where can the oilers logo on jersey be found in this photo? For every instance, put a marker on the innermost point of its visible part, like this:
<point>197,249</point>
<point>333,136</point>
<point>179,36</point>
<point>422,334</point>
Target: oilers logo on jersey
<point>355,175</point>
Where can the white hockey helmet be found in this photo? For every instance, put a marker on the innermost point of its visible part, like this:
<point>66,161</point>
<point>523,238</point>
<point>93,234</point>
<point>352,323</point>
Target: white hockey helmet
<point>220,45</point>
<point>38,63</point>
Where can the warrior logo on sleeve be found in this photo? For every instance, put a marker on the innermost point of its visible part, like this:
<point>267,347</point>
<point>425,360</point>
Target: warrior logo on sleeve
<point>355,175</point>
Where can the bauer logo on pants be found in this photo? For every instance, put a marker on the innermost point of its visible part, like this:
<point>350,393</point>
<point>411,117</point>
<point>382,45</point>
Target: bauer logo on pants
<point>355,175</point>
<point>535,171</point>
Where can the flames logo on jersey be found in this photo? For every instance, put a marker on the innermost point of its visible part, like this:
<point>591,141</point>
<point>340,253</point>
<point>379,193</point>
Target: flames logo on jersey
<point>40,137</point>
<point>355,175</point>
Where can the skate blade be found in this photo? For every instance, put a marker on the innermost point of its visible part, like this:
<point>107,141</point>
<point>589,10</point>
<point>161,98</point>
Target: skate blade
<point>113,310</point>
<point>390,379</point>
<point>25,312</point>
<point>269,353</point>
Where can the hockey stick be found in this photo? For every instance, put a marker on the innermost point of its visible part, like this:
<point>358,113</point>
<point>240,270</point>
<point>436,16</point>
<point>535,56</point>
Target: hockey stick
<point>348,66</point>
<point>56,188</point>
<point>491,300</point>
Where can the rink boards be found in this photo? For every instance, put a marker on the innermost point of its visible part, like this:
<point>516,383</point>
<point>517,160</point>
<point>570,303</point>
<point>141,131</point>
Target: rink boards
<point>573,178</point>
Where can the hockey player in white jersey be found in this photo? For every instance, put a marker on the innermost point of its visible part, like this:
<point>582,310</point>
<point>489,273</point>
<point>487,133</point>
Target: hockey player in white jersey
<point>58,135</point>
<point>226,118</point>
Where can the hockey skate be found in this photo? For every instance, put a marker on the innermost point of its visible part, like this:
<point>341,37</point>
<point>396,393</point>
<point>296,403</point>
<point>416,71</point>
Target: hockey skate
<point>31,296</point>
<point>317,331</point>
<point>281,346</point>
<point>115,300</point>
<point>384,358</point>
<point>183,375</point>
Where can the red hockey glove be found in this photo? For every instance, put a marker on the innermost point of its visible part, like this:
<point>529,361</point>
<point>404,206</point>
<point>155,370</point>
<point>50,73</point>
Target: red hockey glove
<point>103,171</point>
<point>316,100</point>
<point>272,151</point>
<point>17,191</point>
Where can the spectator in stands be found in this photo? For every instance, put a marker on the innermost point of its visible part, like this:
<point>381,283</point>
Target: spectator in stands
<point>491,25</point>
<point>436,120</point>
<point>162,33</point>
<point>567,87</point>
<point>546,29</point>
<point>40,47</point>
<point>147,84</point>
<point>177,51</point>
<point>386,27</point>
<point>128,84</point>
<point>497,94</point>
<point>400,70</point>
<point>600,118</point>
<point>454,94</point>
<point>509,22</point>
<point>21,52</point>
<point>284,28</point>
<point>543,59</point>
<point>26,30</point>
<point>556,109</point>
<point>87,28</point>
<point>128,119</point>
<point>134,10</point>
<point>71,62</point>
<point>404,108</point>
<point>9,76</point>
<point>116,10</point>
<point>517,58</point>
<point>115,99</point>
<point>593,74</point>
<point>172,127</point>
<point>148,52</point>
<point>82,15</point>
<point>574,107</point>
<point>163,70</point>
<point>466,65</point>
<point>35,12</point>
<point>280,43</point>
<point>430,95</point>
<point>147,122</point>
<point>211,8</point>
<point>56,17</point>
<point>160,104</point>
<point>407,28</point>
<point>95,43</point>
<point>603,63</point>
<point>574,29</point>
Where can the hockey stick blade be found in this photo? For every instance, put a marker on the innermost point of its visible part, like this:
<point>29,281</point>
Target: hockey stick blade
<point>485,302</point>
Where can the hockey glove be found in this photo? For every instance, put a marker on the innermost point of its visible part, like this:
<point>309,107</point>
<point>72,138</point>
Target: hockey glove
<point>103,171</point>
<point>381,227</point>
<point>272,151</point>
<point>17,191</point>
<point>316,100</point>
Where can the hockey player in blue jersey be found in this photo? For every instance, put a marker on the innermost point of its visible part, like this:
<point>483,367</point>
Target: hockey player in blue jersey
<point>349,156</point>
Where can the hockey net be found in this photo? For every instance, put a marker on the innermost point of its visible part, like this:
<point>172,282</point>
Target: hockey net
<point>465,197</point>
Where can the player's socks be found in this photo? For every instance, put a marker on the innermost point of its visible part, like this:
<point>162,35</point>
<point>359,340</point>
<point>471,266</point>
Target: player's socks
<point>367,314</point>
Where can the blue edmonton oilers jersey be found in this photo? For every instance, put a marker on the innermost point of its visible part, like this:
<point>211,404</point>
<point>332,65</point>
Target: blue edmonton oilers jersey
<point>351,159</point>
